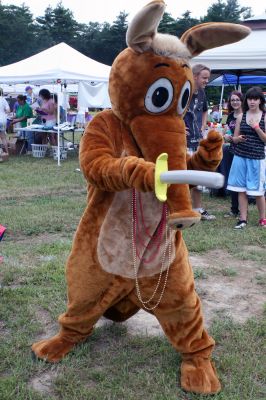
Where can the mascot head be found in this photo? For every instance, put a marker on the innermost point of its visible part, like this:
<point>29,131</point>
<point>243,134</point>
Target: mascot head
<point>150,87</point>
<point>153,76</point>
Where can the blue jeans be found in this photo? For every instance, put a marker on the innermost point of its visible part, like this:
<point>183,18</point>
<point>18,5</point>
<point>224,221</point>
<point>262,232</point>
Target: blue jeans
<point>29,136</point>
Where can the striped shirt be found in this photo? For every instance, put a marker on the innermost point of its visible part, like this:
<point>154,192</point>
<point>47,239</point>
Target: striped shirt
<point>253,146</point>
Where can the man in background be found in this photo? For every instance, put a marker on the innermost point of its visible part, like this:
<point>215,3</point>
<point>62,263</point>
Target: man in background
<point>196,123</point>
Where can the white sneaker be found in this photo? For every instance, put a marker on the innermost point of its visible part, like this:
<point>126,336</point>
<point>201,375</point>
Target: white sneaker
<point>241,224</point>
<point>205,216</point>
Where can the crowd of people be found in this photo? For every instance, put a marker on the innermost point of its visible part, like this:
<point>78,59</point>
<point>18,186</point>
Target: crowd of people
<point>42,109</point>
<point>243,163</point>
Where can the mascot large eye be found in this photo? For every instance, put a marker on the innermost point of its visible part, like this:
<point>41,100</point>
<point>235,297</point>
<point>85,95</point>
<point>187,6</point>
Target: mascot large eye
<point>184,98</point>
<point>159,96</point>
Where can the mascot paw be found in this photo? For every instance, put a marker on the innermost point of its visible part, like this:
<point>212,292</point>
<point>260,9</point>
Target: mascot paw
<point>214,136</point>
<point>213,141</point>
<point>210,149</point>
<point>199,376</point>
<point>52,350</point>
<point>183,219</point>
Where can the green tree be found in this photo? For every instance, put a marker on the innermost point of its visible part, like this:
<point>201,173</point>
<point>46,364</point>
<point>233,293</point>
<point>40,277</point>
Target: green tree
<point>229,11</point>
<point>185,22</point>
<point>103,42</point>
<point>91,42</point>
<point>168,24</point>
<point>17,32</point>
<point>115,39</point>
<point>57,25</point>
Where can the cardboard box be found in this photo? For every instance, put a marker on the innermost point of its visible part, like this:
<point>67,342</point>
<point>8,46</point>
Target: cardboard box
<point>3,157</point>
<point>16,146</point>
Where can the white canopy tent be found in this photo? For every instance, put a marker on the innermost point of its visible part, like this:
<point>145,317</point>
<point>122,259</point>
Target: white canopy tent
<point>19,88</point>
<point>246,57</point>
<point>60,62</point>
<point>56,65</point>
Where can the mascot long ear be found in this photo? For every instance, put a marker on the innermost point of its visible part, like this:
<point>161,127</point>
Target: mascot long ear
<point>143,26</point>
<point>212,34</point>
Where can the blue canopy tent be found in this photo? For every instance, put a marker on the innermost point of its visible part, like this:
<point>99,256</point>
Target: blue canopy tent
<point>244,80</point>
<point>236,81</point>
<point>233,80</point>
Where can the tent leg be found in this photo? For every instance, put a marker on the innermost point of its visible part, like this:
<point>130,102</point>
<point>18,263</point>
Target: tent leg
<point>221,102</point>
<point>58,129</point>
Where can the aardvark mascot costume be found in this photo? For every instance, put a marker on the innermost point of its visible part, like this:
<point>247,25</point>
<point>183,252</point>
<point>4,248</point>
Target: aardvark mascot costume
<point>128,252</point>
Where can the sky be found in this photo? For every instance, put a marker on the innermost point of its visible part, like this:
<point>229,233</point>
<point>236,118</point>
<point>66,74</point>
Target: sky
<point>107,10</point>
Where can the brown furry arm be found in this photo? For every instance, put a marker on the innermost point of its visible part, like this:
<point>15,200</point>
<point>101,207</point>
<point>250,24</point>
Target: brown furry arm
<point>102,165</point>
<point>209,153</point>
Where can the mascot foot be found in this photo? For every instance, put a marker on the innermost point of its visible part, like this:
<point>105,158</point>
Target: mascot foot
<point>183,219</point>
<point>54,349</point>
<point>199,376</point>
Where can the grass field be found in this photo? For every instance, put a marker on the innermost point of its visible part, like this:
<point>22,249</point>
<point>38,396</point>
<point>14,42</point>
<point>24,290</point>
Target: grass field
<point>41,205</point>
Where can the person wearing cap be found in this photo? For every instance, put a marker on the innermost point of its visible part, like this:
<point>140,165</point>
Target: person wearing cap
<point>29,95</point>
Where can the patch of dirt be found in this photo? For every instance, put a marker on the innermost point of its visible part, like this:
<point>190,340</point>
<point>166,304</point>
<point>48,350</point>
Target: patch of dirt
<point>142,323</point>
<point>238,296</point>
<point>229,288</point>
<point>18,283</point>
<point>42,238</point>
<point>44,382</point>
<point>3,329</point>
<point>40,192</point>
<point>255,248</point>
<point>47,258</point>
<point>49,326</point>
<point>12,287</point>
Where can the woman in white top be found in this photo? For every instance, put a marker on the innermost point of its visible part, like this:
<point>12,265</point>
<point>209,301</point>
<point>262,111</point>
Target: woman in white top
<point>4,110</point>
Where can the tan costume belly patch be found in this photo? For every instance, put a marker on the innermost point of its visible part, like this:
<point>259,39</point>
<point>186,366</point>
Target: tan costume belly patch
<point>114,249</point>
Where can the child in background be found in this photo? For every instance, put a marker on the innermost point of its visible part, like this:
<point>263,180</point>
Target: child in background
<point>215,114</point>
<point>247,174</point>
<point>235,102</point>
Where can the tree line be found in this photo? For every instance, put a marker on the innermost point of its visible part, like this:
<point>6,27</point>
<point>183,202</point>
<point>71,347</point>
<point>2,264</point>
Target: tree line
<point>22,35</point>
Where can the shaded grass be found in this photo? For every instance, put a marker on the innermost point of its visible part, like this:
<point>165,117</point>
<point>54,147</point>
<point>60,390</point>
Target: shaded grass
<point>38,215</point>
<point>220,233</point>
<point>47,198</point>
<point>24,176</point>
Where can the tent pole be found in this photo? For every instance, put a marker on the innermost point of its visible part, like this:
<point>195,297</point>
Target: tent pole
<point>221,102</point>
<point>65,100</point>
<point>58,123</point>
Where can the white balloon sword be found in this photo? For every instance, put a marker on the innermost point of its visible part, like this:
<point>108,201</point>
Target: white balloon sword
<point>163,177</point>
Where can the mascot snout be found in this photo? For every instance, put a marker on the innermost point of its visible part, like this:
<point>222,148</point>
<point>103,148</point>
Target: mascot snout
<point>166,134</point>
